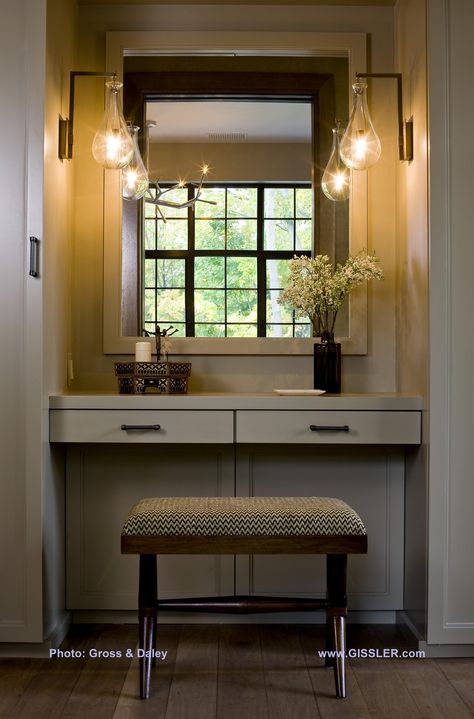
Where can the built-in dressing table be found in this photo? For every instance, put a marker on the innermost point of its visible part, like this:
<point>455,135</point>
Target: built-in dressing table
<point>120,448</point>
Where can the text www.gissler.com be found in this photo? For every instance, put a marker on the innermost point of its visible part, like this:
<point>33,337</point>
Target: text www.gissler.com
<point>362,653</point>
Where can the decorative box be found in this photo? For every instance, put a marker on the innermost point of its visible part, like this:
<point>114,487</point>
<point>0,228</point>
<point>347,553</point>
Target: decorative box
<point>160,377</point>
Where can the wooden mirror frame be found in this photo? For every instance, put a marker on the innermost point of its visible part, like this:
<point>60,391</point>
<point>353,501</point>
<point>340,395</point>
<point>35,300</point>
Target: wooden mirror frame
<point>350,45</point>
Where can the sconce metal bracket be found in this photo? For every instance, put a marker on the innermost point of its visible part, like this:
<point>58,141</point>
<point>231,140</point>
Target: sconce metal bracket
<point>66,125</point>
<point>405,128</point>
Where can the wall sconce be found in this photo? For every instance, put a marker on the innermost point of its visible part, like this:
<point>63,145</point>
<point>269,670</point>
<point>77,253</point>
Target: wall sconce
<point>113,144</point>
<point>360,146</point>
<point>134,175</point>
<point>336,179</point>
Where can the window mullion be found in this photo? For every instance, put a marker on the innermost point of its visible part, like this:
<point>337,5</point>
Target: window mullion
<point>294,220</point>
<point>189,270</point>
<point>226,191</point>
<point>261,267</point>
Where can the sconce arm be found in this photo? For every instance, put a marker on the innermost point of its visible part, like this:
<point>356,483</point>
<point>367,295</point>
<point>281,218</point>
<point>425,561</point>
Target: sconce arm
<point>66,125</point>
<point>405,128</point>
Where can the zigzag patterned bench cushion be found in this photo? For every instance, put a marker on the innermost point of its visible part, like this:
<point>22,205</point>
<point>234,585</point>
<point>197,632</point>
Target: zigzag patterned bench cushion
<point>243,517</point>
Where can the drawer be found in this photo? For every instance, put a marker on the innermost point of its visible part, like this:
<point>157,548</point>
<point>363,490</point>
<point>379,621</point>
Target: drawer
<point>175,426</point>
<point>329,427</point>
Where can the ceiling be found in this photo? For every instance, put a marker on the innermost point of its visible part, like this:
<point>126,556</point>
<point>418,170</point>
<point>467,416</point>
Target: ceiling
<point>205,121</point>
<point>386,3</point>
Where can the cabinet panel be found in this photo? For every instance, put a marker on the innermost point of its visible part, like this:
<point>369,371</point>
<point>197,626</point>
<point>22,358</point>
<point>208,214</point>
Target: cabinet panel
<point>294,427</point>
<point>175,426</point>
<point>23,52</point>
<point>370,480</point>
<point>102,486</point>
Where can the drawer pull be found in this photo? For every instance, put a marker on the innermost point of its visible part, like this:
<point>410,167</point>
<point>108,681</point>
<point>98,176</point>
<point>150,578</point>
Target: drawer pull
<point>329,428</point>
<point>155,427</point>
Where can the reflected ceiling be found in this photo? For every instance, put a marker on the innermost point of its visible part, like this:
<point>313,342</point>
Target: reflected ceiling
<point>230,121</point>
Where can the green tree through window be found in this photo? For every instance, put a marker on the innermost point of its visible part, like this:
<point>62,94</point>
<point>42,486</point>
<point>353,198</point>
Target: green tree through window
<point>217,271</point>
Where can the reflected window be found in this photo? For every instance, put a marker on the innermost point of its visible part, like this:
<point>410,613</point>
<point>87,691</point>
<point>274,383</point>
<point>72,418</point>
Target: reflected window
<point>218,270</point>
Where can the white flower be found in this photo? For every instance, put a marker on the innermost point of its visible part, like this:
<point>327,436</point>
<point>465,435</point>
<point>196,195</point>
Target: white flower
<point>316,292</point>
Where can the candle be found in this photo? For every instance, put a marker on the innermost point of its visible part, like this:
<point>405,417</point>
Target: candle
<point>143,352</point>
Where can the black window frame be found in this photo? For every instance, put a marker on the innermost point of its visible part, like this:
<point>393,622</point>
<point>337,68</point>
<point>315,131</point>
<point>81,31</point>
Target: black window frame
<point>260,254</point>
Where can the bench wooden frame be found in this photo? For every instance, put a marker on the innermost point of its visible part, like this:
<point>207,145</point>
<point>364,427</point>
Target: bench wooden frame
<point>335,547</point>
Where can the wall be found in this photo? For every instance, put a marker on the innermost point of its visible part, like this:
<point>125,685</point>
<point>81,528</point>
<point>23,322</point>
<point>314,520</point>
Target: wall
<point>374,372</point>
<point>61,44</point>
<point>239,162</point>
<point>412,293</point>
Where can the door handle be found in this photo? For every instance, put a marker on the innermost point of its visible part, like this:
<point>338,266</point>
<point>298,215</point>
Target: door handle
<point>329,427</point>
<point>153,427</point>
<point>34,259</point>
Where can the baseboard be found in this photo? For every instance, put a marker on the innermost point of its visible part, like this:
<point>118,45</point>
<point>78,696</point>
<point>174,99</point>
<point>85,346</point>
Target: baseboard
<point>446,651</point>
<point>432,651</point>
<point>58,633</point>
<point>84,616</point>
<point>37,650</point>
<point>407,627</point>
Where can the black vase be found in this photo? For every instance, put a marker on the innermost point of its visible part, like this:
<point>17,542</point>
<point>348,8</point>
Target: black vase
<point>327,364</point>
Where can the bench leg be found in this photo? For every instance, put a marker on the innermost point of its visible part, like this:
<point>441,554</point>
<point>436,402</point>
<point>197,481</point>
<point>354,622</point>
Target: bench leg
<point>336,618</point>
<point>147,597</point>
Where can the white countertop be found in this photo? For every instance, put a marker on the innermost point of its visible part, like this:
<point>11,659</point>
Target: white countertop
<point>235,401</point>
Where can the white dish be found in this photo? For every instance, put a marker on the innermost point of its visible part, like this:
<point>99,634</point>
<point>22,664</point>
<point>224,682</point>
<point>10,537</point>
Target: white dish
<point>300,391</point>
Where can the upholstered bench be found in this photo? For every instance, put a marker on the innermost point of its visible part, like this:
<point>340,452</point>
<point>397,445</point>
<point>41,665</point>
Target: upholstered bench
<point>243,525</point>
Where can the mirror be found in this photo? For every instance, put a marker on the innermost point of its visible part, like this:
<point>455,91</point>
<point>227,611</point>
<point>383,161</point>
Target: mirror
<point>217,270</point>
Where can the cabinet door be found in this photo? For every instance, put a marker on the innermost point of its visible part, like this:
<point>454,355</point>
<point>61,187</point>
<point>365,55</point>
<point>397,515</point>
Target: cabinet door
<point>103,483</point>
<point>22,58</point>
<point>370,480</point>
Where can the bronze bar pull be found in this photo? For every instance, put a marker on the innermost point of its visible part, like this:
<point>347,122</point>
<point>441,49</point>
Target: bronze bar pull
<point>127,427</point>
<point>329,428</point>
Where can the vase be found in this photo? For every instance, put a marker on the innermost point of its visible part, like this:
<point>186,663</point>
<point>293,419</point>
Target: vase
<point>327,364</point>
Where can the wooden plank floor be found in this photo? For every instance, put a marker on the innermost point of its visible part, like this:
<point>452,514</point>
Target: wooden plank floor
<point>234,672</point>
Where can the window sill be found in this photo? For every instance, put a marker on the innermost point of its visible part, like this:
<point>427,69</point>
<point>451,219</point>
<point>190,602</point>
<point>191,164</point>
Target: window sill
<point>241,346</point>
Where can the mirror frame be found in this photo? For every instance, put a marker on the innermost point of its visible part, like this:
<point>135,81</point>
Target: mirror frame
<point>119,44</point>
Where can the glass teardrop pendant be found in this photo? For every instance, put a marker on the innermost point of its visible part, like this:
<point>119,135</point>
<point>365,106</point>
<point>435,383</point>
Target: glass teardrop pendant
<point>335,182</point>
<point>134,175</point>
<point>112,146</point>
<point>360,145</point>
